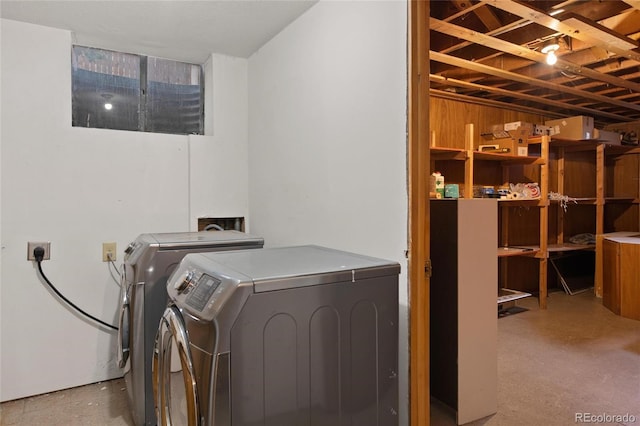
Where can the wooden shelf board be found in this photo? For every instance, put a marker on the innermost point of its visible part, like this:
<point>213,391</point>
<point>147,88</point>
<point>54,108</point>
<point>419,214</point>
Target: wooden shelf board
<point>506,158</point>
<point>555,248</point>
<point>614,200</point>
<point>441,153</point>
<point>534,140</point>
<point>529,202</point>
<point>589,144</point>
<point>621,149</point>
<point>579,200</point>
<point>507,295</point>
<point>585,144</point>
<point>517,251</point>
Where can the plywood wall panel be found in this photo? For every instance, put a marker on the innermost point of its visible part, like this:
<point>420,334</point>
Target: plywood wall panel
<point>622,179</point>
<point>621,217</point>
<point>580,174</point>
<point>520,274</point>
<point>579,219</point>
<point>447,120</point>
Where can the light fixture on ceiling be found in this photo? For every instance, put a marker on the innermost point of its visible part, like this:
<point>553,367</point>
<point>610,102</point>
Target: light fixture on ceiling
<point>550,50</point>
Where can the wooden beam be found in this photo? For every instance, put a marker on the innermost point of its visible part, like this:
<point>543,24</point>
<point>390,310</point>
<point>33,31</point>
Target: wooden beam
<point>599,32</point>
<point>624,23</point>
<point>418,247</point>
<point>600,182</point>
<point>525,52</point>
<point>488,102</point>
<point>544,223</point>
<point>486,15</point>
<point>524,11</point>
<point>463,63</point>
<point>504,29</point>
<point>560,189</point>
<point>633,3</point>
<point>525,97</point>
<point>468,161</point>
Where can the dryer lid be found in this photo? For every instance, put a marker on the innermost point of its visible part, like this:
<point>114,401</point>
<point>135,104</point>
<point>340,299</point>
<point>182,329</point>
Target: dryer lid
<point>289,267</point>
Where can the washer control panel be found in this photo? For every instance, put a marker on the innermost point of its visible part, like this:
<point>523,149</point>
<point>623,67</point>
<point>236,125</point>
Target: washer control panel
<point>202,291</point>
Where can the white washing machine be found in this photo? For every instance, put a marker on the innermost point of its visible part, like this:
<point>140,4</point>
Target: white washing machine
<point>149,261</point>
<point>289,336</point>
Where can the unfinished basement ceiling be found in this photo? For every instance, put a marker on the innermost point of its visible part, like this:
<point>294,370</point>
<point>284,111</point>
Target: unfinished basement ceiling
<point>490,52</point>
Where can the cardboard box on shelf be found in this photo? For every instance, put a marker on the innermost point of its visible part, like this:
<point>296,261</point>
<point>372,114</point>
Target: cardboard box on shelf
<point>628,131</point>
<point>516,141</point>
<point>541,130</point>
<point>532,129</point>
<point>515,125</point>
<point>608,136</point>
<point>578,128</point>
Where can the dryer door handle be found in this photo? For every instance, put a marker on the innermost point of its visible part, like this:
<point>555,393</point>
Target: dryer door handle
<point>172,330</point>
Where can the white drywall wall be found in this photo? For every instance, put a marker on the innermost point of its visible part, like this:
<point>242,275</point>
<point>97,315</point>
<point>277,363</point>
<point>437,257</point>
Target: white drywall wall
<point>218,161</point>
<point>79,187</point>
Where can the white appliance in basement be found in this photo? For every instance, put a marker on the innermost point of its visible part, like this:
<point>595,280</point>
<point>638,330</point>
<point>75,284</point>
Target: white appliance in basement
<point>148,262</point>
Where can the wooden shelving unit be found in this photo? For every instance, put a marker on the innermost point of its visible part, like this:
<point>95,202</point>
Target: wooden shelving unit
<point>468,167</point>
<point>592,182</point>
<point>598,178</point>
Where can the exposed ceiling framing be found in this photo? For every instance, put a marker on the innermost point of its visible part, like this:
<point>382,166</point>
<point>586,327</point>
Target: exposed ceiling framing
<point>490,52</point>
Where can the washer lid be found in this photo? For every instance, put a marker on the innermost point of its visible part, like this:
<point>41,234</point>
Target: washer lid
<point>288,267</point>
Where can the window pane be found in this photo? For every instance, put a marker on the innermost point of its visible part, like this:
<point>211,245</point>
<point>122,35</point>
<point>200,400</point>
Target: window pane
<point>106,89</point>
<point>173,97</point>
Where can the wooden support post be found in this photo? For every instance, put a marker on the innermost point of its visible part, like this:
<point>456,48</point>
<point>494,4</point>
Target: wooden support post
<point>544,223</point>
<point>418,159</point>
<point>468,161</point>
<point>560,220</point>
<point>599,276</point>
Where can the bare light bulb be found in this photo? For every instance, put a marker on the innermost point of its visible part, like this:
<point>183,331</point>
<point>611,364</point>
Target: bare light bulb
<point>108,106</point>
<point>551,58</point>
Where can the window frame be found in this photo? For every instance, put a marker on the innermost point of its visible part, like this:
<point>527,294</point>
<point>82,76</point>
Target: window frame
<point>143,119</point>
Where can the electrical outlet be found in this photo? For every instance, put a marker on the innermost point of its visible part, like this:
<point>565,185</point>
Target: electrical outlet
<point>108,252</point>
<point>45,245</point>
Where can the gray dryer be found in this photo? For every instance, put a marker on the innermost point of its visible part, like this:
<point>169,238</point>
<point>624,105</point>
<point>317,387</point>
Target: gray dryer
<point>293,336</point>
<point>148,262</point>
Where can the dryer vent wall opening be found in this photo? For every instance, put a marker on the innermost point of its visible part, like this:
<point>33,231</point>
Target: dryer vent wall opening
<point>225,223</point>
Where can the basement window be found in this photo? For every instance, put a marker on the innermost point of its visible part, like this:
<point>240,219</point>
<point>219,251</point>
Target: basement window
<point>123,91</point>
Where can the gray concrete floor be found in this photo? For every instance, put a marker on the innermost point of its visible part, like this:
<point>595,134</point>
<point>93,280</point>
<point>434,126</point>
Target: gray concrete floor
<point>574,357</point>
<point>97,404</point>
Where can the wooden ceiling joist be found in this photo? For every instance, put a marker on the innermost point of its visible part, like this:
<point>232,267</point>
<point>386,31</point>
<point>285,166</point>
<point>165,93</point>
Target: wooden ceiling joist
<point>516,50</point>
<point>439,57</point>
<point>491,50</point>
<point>523,96</point>
<point>633,3</point>
<point>524,11</point>
<point>488,102</point>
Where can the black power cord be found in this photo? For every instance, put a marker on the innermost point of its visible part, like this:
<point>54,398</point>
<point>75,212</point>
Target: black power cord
<point>38,253</point>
